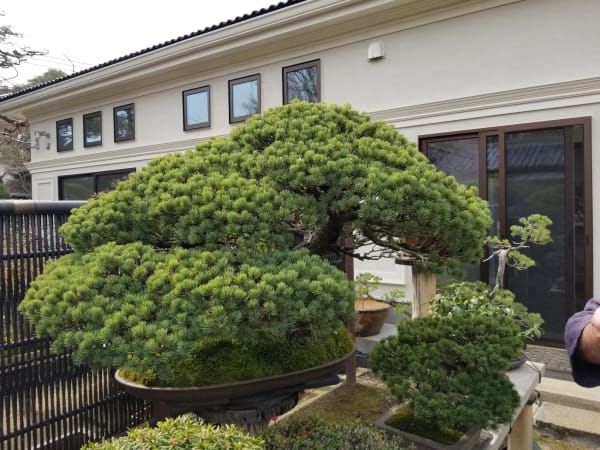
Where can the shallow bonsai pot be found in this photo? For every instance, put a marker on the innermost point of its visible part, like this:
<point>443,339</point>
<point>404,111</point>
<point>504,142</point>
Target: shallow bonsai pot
<point>517,361</point>
<point>466,442</point>
<point>370,316</point>
<point>241,402</point>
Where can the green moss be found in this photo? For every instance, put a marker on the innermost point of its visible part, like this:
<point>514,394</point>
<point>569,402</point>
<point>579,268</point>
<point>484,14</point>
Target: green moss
<point>348,402</point>
<point>226,362</point>
<point>404,419</point>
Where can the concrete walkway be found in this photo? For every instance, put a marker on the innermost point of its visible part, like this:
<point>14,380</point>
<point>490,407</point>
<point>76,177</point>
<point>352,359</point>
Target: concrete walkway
<point>565,409</point>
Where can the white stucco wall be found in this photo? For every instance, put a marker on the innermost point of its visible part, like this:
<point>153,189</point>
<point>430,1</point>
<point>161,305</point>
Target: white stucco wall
<point>526,61</point>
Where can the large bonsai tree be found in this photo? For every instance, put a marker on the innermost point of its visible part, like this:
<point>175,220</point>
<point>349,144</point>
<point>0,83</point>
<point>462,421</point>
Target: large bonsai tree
<point>222,250</point>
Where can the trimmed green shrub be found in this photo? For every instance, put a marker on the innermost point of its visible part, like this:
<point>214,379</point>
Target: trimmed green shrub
<point>451,371</point>
<point>183,433</point>
<point>151,311</point>
<point>312,433</point>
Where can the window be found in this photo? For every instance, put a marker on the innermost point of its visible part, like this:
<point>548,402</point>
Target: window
<point>302,81</point>
<point>196,108</point>
<point>82,187</point>
<point>244,98</point>
<point>92,129</point>
<point>64,135</point>
<point>124,123</point>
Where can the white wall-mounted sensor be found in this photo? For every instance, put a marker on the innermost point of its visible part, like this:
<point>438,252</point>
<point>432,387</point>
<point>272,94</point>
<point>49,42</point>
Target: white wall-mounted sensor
<point>375,51</point>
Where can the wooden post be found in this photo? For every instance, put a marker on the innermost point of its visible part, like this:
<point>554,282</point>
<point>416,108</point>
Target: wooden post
<point>521,435</point>
<point>423,291</point>
<point>351,365</point>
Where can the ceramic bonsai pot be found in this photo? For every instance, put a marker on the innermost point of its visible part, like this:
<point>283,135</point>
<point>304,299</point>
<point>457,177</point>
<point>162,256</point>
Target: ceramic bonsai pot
<point>466,442</point>
<point>250,404</point>
<point>370,316</point>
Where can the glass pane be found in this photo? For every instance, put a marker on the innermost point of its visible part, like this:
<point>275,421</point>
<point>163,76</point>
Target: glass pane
<point>493,195</point>
<point>64,134</point>
<point>303,84</point>
<point>124,123</point>
<point>535,183</point>
<point>578,218</point>
<point>245,98</point>
<point>107,182</point>
<point>77,188</point>
<point>92,127</point>
<point>196,109</point>
<point>457,157</point>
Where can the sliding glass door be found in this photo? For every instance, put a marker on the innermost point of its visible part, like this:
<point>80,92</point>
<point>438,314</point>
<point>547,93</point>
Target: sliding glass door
<point>538,168</point>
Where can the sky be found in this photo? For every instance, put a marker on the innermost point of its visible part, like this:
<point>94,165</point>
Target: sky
<point>78,34</point>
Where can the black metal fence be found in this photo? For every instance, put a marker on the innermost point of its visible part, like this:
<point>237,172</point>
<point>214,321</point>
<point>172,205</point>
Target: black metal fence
<point>46,402</point>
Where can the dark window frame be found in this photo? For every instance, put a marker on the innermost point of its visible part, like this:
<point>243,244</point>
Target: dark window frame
<point>91,174</point>
<point>305,65</point>
<point>190,92</point>
<point>122,108</point>
<point>86,118</point>
<point>59,124</point>
<point>236,81</point>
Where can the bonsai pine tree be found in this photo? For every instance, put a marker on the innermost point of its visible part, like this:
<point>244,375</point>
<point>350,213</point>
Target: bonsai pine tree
<point>449,371</point>
<point>212,258</point>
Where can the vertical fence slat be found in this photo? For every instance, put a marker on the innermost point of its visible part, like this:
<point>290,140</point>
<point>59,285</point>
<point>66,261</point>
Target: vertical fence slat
<point>45,401</point>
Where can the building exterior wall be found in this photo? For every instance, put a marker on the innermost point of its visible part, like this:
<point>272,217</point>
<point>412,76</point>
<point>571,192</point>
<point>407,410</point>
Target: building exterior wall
<point>496,63</point>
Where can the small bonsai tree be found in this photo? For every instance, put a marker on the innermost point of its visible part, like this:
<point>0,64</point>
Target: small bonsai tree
<point>449,371</point>
<point>533,230</point>
<point>477,298</point>
<point>216,254</point>
<point>365,283</point>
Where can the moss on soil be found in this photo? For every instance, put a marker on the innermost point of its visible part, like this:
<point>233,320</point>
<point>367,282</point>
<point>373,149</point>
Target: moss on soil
<point>403,419</point>
<point>365,401</point>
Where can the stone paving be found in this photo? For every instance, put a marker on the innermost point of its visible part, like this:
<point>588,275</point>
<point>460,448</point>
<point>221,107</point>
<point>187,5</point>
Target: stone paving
<point>555,359</point>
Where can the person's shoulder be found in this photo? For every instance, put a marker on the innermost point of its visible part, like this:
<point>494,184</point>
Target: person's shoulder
<point>592,304</point>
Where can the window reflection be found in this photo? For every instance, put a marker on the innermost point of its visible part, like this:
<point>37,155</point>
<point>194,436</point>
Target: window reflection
<point>244,98</point>
<point>196,108</point>
<point>83,187</point>
<point>64,135</point>
<point>301,82</point>
<point>92,129</point>
<point>124,123</point>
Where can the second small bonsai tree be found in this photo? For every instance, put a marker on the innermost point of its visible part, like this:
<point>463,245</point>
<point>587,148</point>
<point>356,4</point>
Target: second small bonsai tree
<point>479,299</point>
<point>447,373</point>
